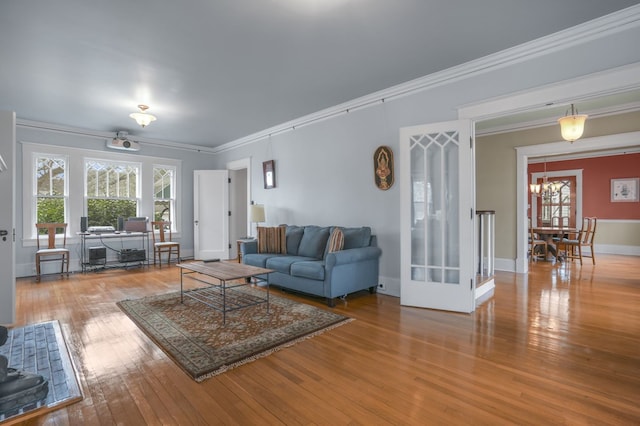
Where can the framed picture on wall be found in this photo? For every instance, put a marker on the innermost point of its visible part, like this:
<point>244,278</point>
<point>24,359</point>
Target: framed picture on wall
<point>269,172</point>
<point>624,190</point>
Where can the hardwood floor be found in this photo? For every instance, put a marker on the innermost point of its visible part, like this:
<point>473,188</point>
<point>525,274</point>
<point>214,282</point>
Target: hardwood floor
<point>558,346</point>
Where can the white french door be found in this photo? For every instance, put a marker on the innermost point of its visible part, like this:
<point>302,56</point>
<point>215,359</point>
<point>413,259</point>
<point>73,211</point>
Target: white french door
<point>437,216</point>
<point>210,214</point>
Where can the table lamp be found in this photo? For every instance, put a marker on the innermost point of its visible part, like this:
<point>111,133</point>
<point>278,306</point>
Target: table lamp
<point>257,213</point>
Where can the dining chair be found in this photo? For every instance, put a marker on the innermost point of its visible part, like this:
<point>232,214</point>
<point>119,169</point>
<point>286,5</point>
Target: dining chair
<point>534,242</point>
<point>572,247</point>
<point>162,244</point>
<point>50,252</point>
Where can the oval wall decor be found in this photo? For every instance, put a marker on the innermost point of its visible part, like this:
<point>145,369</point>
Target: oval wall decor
<point>383,167</point>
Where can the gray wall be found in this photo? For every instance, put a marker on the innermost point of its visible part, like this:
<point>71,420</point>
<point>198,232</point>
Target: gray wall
<point>324,170</point>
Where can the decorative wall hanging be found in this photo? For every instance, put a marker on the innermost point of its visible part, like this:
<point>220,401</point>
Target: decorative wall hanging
<point>383,167</point>
<point>269,173</point>
<point>624,190</point>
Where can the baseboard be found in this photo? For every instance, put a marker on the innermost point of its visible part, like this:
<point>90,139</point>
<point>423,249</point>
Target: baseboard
<point>389,286</point>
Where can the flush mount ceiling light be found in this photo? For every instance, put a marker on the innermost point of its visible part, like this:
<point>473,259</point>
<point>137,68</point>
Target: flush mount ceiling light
<point>572,126</point>
<point>142,118</point>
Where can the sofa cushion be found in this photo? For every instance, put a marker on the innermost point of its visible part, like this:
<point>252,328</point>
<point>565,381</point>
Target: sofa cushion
<point>283,263</point>
<point>314,241</point>
<point>293,235</point>
<point>272,239</point>
<point>356,237</point>
<point>258,259</point>
<point>313,269</point>
<point>336,240</point>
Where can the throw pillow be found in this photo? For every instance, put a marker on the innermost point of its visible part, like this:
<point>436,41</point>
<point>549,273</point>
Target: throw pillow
<point>336,240</point>
<point>272,239</point>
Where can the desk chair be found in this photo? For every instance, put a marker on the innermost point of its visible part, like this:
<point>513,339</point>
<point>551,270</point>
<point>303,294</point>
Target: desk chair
<point>51,252</point>
<point>572,247</point>
<point>161,245</point>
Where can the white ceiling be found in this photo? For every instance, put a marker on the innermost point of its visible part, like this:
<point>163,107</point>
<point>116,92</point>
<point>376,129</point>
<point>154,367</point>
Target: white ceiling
<point>214,71</point>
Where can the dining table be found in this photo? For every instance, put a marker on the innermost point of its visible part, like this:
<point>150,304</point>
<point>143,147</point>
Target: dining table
<point>547,233</point>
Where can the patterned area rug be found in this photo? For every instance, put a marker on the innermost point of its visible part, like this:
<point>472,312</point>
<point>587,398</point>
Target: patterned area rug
<point>40,348</point>
<point>194,336</point>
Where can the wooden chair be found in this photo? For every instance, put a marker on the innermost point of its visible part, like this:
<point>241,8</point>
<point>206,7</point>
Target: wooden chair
<point>535,241</point>
<point>163,245</point>
<point>572,247</point>
<point>50,252</point>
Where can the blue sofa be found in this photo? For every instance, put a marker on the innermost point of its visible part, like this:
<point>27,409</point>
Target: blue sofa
<point>309,267</point>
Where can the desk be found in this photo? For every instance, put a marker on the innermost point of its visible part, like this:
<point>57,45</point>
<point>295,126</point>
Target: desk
<point>548,232</point>
<point>113,239</point>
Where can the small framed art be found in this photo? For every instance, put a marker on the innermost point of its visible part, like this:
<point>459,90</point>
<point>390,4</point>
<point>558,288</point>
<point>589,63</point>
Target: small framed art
<point>269,173</point>
<point>624,190</point>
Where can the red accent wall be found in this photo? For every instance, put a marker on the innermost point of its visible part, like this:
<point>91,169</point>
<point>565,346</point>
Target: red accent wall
<point>596,183</point>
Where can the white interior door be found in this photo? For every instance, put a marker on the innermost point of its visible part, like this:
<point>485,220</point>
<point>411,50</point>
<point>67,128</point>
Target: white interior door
<point>211,214</point>
<point>7,218</point>
<point>437,217</point>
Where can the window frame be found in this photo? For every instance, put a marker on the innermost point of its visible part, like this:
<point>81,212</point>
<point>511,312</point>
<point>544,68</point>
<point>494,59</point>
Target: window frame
<point>34,185</point>
<point>577,173</point>
<point>75,208</point>
<point>173,193</point>
<point>137,197</point>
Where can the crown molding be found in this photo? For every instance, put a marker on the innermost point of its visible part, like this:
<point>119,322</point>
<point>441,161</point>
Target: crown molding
<point>95,134</point>
<point>622,20</point>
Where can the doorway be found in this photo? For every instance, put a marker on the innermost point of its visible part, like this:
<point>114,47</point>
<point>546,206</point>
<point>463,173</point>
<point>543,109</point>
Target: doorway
<point>239,200</point>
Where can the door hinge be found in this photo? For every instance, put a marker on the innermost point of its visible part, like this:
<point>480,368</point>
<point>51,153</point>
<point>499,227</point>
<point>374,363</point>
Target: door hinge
<point>229,245</point>
<point>471,213</point>
<point>471,283</point>
<point>229,212</point>
<point>229,181</point>
<point>471,142</point>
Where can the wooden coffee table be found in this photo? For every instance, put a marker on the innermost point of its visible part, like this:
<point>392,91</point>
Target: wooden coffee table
<point>228,276</point>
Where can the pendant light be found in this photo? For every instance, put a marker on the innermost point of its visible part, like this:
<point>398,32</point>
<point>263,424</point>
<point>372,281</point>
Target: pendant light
<point>572,126</point>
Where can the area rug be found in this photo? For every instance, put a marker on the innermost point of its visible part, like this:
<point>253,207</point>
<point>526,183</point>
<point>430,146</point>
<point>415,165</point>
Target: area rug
<point>194,336</point>
<point>40,348</point>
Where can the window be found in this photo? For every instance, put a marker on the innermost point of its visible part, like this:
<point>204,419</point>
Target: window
<point>50,186</point>
<point>63,185</point>
<point>558,209</point>
<point>164,197</point>
<point>112,191</point>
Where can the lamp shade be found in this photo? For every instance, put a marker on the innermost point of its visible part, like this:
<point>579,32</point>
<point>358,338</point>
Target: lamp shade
<point>572,126</point>
<point>257,213</point>
<point>142,118</point>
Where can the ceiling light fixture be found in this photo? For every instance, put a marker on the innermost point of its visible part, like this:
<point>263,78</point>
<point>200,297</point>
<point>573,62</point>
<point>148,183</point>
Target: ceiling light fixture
<point>572,126</point>
<point>546,189</point>
<point>142,118</point>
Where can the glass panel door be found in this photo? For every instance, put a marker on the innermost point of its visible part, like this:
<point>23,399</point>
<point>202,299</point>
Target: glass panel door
<point>438,264</point>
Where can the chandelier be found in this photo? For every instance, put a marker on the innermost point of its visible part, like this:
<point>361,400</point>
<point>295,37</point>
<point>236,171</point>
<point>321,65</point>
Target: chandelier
<point>142,118</point>
<point>545,189</point>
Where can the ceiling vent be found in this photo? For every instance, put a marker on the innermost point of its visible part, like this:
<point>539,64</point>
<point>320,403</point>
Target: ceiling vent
<point>122,142</point>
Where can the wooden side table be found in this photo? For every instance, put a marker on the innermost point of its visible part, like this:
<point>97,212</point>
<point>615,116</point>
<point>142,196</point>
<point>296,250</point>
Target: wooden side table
<point>240,241</point>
